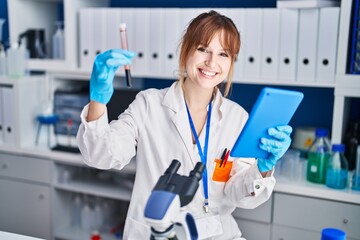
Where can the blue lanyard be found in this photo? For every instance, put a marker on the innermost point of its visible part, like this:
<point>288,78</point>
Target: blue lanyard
<point>203,154</point>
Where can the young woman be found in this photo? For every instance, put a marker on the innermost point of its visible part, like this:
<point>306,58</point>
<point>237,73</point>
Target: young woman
<point>190,121</point>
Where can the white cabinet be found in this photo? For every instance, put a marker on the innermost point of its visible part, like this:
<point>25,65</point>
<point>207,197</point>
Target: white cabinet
<point>107,193</point>
<point>255,223</point>
<point>21,101</point>
<point>25,198</point>
<point>347,85</point>
<point>297,216</point>
<point>42,15</point>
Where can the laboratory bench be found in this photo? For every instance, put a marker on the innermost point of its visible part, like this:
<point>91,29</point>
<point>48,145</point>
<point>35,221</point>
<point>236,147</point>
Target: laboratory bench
<point>41,181</point>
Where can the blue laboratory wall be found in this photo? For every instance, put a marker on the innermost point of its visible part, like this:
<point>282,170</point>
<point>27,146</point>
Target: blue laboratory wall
<point>315,110</point>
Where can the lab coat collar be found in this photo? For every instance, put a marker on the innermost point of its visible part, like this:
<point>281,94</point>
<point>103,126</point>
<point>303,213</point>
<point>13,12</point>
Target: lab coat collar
<point>174,100</point>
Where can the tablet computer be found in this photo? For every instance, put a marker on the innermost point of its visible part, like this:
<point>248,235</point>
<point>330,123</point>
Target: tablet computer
<point>272,108</point>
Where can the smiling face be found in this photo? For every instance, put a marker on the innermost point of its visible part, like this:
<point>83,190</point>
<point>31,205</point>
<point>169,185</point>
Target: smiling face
<point>209,65</point>
<point>208,50</point>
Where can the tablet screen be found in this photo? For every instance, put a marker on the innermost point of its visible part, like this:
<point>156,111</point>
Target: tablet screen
<point>272,108</point>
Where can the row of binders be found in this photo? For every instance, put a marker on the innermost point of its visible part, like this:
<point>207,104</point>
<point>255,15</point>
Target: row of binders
<point>354,60</point>
<point>278,45</point>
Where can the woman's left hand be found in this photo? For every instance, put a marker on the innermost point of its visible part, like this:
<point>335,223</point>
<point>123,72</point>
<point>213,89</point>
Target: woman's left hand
<point>276,146</point>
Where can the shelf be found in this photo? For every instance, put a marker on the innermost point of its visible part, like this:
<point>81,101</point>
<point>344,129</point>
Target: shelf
<point>96,188</point>
<point>79,234</point>
<point>305,188</point>
<point>306,3</point>
<point>348,85</point>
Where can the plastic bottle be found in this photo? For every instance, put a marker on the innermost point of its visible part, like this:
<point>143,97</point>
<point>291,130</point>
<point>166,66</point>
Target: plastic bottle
<point>76,211</point>
<point>2,61</point>
<point>16,61</point>
<point>87,217</point>
<point>351,141</point>
<point>58,42</point>
<point>332,234</point>
<point>356,177</point>
<point>318,155</point>
<point>337,168</point>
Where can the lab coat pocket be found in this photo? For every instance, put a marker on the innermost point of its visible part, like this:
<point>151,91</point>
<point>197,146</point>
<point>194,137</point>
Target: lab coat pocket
<point>221,174</point>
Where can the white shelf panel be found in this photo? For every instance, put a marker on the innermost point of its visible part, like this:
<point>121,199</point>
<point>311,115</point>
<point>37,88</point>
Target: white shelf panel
<point>348,85</point>
<point>306,3</point>
<point>305,188</point>
<point>101,189</point>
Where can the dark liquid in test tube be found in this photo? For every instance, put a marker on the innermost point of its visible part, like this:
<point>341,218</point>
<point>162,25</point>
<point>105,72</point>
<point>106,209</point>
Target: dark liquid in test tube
<point>124,46</point>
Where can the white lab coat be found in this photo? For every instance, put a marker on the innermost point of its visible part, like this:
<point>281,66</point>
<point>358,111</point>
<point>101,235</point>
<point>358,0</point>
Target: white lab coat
<point>156,129</point>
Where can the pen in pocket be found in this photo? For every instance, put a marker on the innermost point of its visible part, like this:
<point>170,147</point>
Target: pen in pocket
<point>223,157</point>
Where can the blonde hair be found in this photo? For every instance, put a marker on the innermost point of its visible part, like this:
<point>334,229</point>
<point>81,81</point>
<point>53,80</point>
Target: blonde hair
<point>200,31</point>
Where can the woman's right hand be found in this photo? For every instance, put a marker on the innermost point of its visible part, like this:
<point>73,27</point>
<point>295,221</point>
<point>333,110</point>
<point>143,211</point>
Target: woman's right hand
<point>103,72</point>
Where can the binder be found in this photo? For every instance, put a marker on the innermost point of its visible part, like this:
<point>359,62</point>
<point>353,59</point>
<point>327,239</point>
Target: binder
<point>270,45</point>
<point>187,14</point>
<point>2,127</point>
<point>252,42</point>
<point>8,115</point>
<point>99,32</point>
<point>237,16</point>
<point>86,19</point>
<point>172,40</point>
<point>112,28</point>
<point>140,64</point>
<point>327,44</point>
<point>354,53</point>
<point>156,40</point>
<point>307,46</point>
<point>288,41</point>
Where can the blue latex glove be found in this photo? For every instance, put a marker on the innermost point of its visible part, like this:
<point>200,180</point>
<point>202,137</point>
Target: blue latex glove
<point>277,145</point>
<point>103,72</point>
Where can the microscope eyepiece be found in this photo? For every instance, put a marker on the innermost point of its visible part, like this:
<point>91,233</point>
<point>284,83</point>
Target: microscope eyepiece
<point>198,170</point>
<point>174,167</point>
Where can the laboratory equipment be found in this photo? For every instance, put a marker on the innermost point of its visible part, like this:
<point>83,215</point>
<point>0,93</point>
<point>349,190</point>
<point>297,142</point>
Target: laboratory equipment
<point>58,42</point>
<point>333,234</point>
<point>16,60</point>
<point>124,45</point>
<point>356,177</point>
<point>76,211</point>
<point>163,208</point>
<point>318,155</point>
<point>35,42</point>
<point>337,168</point>
<point>48,121</point>
<point>351,141</point>
<point>2,21</point>
<point>2,60</point>
<point>2,51</point>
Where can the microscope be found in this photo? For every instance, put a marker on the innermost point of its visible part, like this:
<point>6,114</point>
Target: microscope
<point>163,209</point>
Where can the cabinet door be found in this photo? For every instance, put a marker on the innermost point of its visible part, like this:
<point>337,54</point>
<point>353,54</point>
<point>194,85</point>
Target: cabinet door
<point>25,208</point>
<point>296,211</point>
<point>287,233</point>
<point>252,230</point>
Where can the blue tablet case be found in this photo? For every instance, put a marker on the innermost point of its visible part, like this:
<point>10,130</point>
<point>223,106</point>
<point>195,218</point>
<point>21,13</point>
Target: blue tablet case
<point>272,108</point>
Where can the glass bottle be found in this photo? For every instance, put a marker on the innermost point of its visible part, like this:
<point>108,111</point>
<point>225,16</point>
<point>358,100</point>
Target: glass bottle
<point>318,155</point>
<point>337,168</point>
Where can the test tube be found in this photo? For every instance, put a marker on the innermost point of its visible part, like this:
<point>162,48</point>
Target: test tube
<point>124,46</point>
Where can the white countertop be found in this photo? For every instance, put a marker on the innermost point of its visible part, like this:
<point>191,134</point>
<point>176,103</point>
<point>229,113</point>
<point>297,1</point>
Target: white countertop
<point>13,236</point>
<point>305,188</point>
<point>283,185</point>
